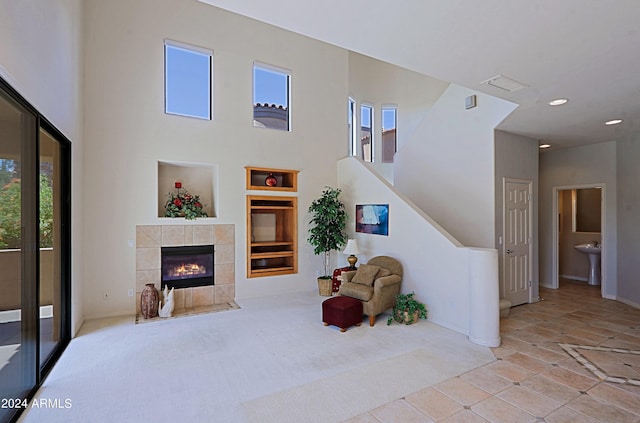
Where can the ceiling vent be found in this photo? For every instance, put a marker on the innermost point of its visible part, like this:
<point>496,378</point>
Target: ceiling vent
<point>504,83</point>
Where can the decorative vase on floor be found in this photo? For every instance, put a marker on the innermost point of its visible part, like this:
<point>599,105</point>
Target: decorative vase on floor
<point>149,301</point>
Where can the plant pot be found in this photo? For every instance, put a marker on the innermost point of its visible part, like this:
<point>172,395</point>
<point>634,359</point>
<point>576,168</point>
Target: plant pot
<point>324,286</point>
<point>407,318</point>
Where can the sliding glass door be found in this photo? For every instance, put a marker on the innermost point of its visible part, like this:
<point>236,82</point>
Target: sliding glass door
<point>34,250</point>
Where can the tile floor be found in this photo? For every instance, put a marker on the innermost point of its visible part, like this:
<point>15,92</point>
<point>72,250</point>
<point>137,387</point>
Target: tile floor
<point>534,379</point>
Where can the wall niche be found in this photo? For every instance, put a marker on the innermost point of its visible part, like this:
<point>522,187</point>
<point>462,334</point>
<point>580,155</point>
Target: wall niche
<point>198,179</point>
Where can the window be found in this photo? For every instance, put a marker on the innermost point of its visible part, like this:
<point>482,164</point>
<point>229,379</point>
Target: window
<point>366,132</point>
<point>389,140</point>
<point>353,146</point>
<point>187,80</point>
<point>271,87</point>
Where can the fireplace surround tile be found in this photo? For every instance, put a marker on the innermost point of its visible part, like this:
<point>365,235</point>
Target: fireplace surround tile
<point>224,293</point>
<point>173,236</point>
<point>150,239</point>
<point>225,273</point>
<point>149,236</point>
<point>188,235</point>
<point>202,296</point>
<point>188,298</point>
<point>146,276</point>
<point>203,235</point>
<point>224,254</point>
<point>224,234</point>
<point>147,258</point>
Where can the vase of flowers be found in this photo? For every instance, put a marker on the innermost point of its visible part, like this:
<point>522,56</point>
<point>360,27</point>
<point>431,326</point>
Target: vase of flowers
<point>183,204</point>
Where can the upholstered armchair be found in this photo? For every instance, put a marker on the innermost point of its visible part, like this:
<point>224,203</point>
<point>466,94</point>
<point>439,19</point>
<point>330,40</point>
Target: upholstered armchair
<point>375,284</point>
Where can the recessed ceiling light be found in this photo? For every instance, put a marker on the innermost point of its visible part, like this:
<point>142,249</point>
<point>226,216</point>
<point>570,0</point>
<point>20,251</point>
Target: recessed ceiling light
<point>544,145</point>
<point>558,102</point>
<point>613,122</point>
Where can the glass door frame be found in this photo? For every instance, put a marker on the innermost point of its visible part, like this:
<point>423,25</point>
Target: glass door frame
<point>30,246</point>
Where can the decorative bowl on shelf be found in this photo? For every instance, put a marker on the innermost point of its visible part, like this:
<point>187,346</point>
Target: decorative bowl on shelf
<point>271,180</point>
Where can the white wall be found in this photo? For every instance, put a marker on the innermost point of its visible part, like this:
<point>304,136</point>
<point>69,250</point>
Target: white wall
<point>591,164</point>
<point>128,132</point>
<point>41,57</point>
<point>443,274</point>
<point>379,84</point>
<point>628,213</point>
<point>447,167</point>
<point>516,157</point>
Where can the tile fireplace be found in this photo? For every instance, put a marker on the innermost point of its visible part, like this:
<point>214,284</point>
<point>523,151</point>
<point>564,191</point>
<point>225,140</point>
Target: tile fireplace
<point>218,290</point>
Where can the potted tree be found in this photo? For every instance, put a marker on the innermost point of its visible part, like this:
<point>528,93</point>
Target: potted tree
<point>327,231</point>
<point>407,310</point>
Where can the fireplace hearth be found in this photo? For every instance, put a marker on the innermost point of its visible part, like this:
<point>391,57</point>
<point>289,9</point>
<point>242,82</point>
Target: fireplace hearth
<point>187,266</point>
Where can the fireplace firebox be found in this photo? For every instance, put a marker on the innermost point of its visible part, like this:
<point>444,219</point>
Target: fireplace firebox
<point>187,267</point>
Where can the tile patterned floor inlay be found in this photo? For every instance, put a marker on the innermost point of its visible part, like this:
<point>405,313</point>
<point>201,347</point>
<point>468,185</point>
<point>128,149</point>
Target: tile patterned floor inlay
<point>615,365</point>
<point>571,357</point>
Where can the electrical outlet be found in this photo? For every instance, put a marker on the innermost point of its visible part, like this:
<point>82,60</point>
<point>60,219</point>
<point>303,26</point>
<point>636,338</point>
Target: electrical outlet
<point>130,293</point>
<point>105,296</point>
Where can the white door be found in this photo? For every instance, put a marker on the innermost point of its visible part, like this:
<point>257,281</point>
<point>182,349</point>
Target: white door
<point>517,241</point>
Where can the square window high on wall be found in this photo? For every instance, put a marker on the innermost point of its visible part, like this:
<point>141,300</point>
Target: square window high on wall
<point>187,80</point>
<point>271,94</point>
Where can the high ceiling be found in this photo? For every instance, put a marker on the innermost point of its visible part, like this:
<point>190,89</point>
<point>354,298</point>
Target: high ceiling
<point>587,51</point>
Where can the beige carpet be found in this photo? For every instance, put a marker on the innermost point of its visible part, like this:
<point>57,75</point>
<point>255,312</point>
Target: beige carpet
<point>271,360</point>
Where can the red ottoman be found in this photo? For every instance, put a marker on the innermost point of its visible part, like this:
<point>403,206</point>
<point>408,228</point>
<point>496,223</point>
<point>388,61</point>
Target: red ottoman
<point>342,312</point>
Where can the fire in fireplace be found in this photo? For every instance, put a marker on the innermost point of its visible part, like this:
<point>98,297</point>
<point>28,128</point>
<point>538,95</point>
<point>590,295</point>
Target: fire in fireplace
<point>187,267</point>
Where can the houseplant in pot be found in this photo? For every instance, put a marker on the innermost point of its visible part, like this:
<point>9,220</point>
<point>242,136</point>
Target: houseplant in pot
<point>327,231</point>
<point>407,310</point>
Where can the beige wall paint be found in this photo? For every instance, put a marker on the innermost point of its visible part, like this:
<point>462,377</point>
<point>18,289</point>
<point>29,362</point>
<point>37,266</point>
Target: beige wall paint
<point>447,167</point>
<point>128,132</point>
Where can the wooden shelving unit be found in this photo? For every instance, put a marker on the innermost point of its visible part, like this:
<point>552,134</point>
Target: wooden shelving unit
<point>287,180</point>
<point>275,251</point>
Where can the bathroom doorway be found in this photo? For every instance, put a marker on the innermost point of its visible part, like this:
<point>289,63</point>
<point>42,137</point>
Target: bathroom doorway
<point>579,219</point>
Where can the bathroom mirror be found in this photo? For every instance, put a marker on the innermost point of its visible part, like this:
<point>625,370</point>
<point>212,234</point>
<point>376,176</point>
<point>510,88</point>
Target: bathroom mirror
<point>587,207</point>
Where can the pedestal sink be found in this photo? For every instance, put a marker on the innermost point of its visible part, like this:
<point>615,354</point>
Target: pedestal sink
<point>593,251</point>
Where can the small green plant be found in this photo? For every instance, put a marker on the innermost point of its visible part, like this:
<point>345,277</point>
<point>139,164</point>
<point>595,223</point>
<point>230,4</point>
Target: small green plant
<point>406,309</point>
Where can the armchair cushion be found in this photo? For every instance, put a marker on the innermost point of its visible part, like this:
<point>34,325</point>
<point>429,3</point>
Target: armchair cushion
<point>366,274</point>
<point>383,272</point>
<point>356,290</point>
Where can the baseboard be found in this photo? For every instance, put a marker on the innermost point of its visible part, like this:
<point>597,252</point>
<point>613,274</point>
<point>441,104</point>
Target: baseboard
<point>575,278</point>
<point>628,302</point>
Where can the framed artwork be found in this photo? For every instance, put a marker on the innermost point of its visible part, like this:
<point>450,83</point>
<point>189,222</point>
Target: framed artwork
<point>372,219</point>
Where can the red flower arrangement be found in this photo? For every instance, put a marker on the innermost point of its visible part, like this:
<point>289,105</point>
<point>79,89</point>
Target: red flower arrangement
<point>183,204</point>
